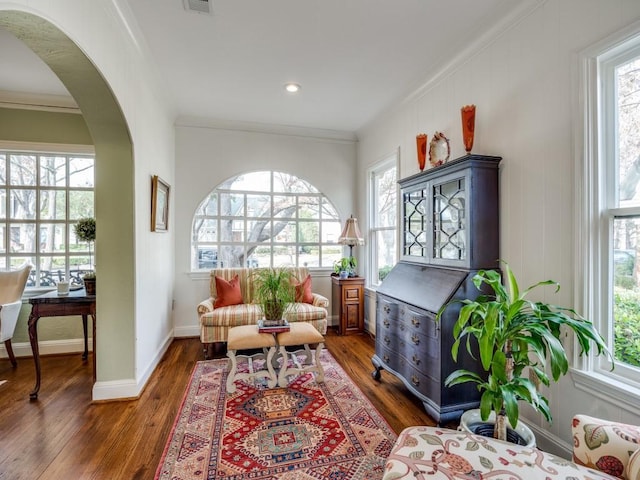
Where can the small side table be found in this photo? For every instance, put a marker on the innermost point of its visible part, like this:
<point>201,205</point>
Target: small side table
<point>53,305</point>
<point>347,302</point>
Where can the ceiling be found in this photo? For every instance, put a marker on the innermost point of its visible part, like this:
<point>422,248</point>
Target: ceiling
<point>353,58</point>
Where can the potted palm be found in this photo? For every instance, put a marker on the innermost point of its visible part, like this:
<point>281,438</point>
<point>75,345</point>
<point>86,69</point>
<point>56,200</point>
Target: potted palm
<point>85,231</point>
<point>274,291</point>
<point>515,339</point>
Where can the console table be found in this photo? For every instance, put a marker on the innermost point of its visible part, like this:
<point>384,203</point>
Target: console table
<point>51,304</point>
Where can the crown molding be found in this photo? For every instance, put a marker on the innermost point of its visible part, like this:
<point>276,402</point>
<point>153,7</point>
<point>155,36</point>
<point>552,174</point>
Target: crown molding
<point>38,101</point>
<point>272,129</point>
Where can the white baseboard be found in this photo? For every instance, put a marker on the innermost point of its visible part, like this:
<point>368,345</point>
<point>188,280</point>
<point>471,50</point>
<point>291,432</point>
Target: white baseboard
<point>47,347</point>
<point>188,331</point>
<point>116,389</point>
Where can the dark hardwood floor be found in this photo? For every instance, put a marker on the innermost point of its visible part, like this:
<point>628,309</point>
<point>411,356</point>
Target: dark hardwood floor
<point>64,436</point>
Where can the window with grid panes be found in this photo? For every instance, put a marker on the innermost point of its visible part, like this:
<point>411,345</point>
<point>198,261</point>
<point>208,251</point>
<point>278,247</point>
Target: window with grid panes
<point>42,195</point>
<point>265,219</point>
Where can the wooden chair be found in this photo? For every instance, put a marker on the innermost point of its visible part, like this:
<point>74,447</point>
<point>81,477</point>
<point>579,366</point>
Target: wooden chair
<point>12,285</point>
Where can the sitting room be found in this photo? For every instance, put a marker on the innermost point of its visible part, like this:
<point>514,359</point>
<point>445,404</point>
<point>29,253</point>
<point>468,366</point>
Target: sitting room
<point>397,165</point>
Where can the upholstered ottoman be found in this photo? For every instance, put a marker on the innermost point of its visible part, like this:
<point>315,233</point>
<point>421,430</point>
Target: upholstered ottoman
<point>432,453</point>
<point>247,337</point>
<point>303,334</point>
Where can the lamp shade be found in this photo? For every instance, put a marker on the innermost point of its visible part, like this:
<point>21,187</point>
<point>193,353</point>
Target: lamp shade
<point>351,233</point>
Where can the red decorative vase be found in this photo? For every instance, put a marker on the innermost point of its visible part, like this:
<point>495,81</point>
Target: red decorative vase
<point>421,143</point>
<point>468,113</point>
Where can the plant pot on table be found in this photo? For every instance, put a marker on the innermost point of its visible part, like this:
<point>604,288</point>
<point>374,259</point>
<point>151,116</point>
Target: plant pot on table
<point>90,285</point>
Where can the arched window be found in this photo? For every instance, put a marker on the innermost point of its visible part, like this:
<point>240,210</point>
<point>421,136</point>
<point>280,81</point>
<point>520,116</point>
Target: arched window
<point>263,219</point>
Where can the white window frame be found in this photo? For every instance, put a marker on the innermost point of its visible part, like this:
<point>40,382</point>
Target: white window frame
<point>46,149</point>
<point>326,261</point>
<point>595,196</point>
<point>390,161</point>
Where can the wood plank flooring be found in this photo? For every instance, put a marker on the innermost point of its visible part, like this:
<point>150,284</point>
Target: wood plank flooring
<point>64,436</point>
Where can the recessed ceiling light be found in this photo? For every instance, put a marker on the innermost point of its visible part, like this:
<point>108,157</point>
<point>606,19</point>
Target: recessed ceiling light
<point>292,87</point>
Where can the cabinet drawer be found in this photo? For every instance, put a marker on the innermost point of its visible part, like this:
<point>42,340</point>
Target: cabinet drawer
<point>389,357</point>
<point>420,321</point>
<point>424,356</point>
<point>425,385</point>
<point>389,340</point>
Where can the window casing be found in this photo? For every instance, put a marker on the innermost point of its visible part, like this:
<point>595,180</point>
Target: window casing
<point>383,219</point>
<point>42,195</point>
<point>609,260</point>
<point>262,219</point>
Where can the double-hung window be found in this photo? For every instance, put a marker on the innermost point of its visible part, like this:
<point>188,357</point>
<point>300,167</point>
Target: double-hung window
<point>609,197</point>
<point>383,214</point>
<point>42,195</point>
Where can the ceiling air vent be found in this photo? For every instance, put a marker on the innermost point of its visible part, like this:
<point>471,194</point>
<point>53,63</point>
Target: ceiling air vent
<point>198,6</point>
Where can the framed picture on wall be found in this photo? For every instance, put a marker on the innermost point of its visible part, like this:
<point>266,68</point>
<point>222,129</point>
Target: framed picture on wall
<point>159,204</point>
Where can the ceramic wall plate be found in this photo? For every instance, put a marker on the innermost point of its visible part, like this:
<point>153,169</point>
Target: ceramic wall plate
<point>439,149</point>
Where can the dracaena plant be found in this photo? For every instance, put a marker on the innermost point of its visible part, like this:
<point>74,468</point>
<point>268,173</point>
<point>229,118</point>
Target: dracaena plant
<point>512,336</point>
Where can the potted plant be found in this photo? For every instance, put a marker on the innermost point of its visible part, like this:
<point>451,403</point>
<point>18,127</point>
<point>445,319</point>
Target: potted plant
<point>516,338</point>
<point>345,267</point>
<point>274,291</point>
<point>85,231</point>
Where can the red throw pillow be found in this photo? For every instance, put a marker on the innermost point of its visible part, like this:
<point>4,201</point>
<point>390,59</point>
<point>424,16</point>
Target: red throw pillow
<point>228,292</point>
<point>303,291</point>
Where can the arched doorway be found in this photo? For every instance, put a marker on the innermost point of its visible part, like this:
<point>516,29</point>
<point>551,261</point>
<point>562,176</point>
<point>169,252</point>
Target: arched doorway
<point>114,188</point>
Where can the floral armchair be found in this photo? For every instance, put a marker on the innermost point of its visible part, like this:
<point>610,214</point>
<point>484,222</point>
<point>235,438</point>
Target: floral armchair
<point>610,447</point>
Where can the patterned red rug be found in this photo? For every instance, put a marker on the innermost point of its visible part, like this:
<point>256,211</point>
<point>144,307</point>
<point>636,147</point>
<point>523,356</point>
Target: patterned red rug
<point>306,431</point>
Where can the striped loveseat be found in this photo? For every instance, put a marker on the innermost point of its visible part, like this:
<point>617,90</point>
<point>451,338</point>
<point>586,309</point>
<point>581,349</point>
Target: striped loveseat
<point>216,322</point>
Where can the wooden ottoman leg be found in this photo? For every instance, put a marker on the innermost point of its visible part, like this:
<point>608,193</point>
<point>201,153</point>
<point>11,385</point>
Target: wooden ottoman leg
<point>233,367</point>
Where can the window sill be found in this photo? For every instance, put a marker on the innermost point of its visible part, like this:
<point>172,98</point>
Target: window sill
<point>622,394</point>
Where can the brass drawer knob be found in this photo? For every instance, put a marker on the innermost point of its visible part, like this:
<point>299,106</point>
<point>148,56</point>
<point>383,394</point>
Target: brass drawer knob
<point>415,380</point>
<point>415,359</point>
<point>415,322</point>
<point>385,358</point>
<point>387,340</point>
<point>386,323</point>
<point>386,309</point>
<point>415,339</point>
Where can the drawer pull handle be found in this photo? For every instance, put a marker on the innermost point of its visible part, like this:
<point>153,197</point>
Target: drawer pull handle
<point>385,358</point>
<point>386,309</point>
<point>415,322</point>
<point>415,380</point>
<point>415,359</point>
<point>386,323</point>
<point>415,339</point>
<point>387,340</point>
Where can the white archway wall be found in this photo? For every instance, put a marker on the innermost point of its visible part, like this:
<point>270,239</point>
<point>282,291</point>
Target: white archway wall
<point>121,109</point>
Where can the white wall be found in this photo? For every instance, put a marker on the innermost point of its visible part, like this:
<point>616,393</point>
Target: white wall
<point>130,339</point>
<point>209,152</point>
<point>521,81</point>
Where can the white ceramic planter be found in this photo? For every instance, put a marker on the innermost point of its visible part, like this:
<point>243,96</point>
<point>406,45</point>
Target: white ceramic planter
<point>471,419</point>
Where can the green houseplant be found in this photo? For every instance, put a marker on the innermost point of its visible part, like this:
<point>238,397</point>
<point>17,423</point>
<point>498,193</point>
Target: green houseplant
<point>274,291</point>
<point>346,264</point>
<point>85,231</point>
<point>518,340</point>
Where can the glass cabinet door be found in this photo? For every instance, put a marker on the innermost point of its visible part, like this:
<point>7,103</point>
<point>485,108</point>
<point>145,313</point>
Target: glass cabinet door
<point>415,228</point>
<point>450,223</point>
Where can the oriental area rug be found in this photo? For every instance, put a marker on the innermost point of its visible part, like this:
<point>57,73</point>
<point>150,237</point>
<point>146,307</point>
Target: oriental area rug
<point>307,431</point>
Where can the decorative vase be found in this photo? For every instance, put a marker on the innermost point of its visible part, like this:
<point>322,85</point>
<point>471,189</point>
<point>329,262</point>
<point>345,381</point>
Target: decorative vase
<point>468,113</point>
<point>421,143</point>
